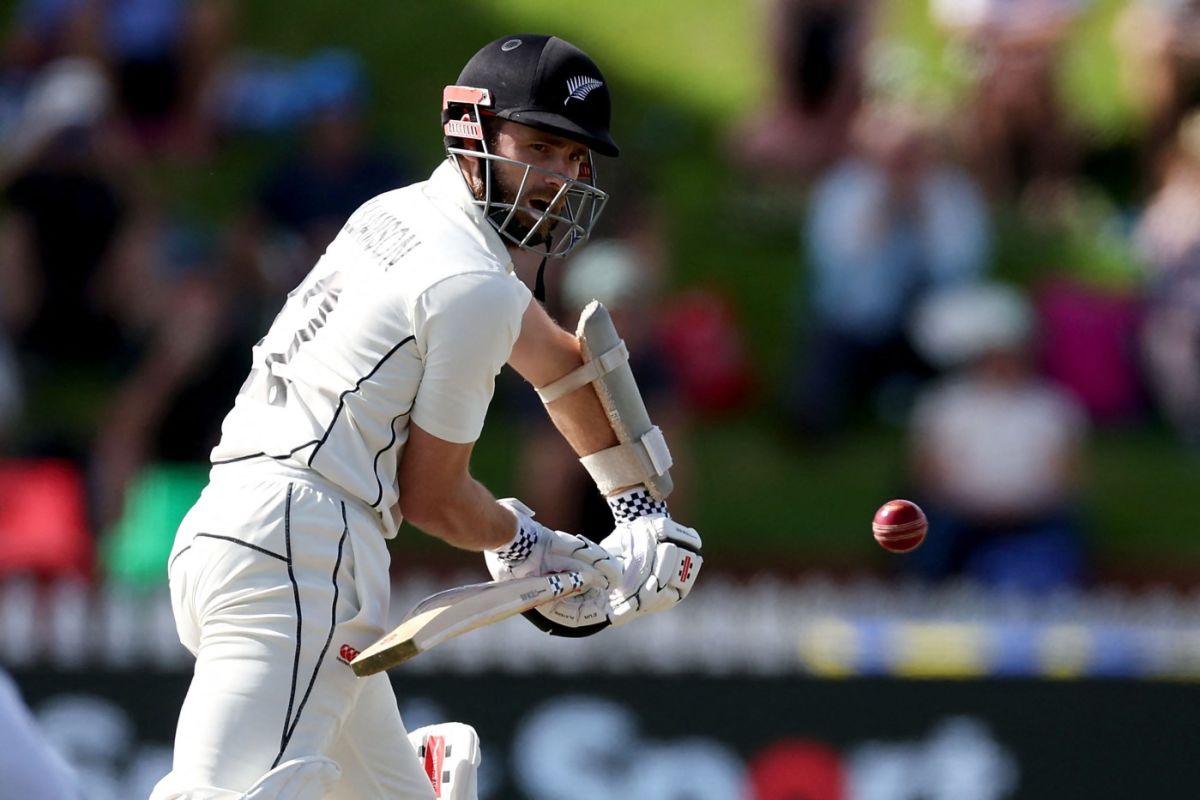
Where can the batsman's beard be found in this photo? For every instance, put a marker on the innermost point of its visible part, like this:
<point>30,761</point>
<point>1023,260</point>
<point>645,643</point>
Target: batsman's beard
<point>526,221</point>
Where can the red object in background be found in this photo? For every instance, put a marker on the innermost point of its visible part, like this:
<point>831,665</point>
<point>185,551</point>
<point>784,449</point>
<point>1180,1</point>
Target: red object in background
<point>708,351</point>
<point>1089,345</point>
<point>44,527</point>
<point>899,526</point>
<point>797,768</point>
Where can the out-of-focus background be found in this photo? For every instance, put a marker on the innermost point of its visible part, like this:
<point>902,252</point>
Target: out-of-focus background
<point>861,249</point>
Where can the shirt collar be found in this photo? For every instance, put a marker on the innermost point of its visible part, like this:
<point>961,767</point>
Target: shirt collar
<point>447,183</point>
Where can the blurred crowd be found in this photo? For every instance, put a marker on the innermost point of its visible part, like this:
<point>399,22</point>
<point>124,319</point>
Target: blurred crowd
<point>126,324</point>
<point>980,267</point>
<point>126,320</point>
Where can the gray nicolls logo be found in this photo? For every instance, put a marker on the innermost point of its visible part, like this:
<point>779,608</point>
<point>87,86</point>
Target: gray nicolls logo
<point>579,87</point>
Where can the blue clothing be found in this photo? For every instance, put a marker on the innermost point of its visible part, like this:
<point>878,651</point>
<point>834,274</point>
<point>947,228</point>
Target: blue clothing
<point>869,257</point>
<point>133,28</point>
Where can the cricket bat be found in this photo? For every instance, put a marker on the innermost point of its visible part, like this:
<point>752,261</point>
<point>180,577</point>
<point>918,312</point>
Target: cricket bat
<point>453,612</point>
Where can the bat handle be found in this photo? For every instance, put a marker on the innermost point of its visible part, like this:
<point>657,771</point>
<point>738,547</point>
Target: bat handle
<point>557,628</point>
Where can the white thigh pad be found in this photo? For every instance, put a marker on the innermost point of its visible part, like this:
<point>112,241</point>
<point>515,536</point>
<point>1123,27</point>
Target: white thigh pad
<point>642,456</point>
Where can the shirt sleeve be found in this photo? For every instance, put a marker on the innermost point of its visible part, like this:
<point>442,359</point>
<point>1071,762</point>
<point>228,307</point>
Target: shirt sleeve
<point>466,326</point>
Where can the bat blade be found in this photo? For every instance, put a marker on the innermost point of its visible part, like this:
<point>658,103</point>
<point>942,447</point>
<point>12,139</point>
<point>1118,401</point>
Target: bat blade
<point>456,611</point>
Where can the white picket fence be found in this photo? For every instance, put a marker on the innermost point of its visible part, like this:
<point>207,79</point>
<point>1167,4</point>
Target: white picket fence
<point>759,626</point>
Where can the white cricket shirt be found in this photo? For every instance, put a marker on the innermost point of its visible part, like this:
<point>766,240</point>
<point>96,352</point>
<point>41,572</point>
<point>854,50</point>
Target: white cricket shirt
<point>409,315</point>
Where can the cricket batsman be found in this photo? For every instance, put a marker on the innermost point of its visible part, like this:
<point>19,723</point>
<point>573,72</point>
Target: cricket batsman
<point>361,408</point>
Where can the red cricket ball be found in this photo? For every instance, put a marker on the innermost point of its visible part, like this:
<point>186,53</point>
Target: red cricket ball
<point>900,526</point>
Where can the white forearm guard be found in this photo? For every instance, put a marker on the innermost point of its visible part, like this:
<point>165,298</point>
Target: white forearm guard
<point>642,457</point>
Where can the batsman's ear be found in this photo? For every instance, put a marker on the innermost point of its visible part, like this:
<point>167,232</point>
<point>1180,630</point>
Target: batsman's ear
<point>463,127</point>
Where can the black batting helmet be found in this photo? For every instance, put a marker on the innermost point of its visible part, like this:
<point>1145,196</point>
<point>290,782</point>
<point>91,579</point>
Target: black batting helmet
<point>547,83</point>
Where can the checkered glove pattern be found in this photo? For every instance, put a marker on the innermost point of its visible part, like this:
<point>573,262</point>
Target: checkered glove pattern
<point>558,585</point>
<point>634,504</point>
<point>537,550</point>
<point>520,547</point>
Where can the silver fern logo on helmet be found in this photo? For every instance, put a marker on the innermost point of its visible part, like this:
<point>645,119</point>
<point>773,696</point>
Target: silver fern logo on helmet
<point>579,87</point>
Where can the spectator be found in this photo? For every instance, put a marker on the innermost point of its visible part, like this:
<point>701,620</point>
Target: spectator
<point>1016,132</point>
<point>816,49</point>
<point>162,56</point>
<point>884,225</point>
<point>11,392</point>
<point>306,197</point>
<point>996,449</point>
<point>1168,240</point>
<point>43,31</point>
<point>1159,46</point>
<point>191,343</point>
<point>1168,232</point>
<point>67,190</point>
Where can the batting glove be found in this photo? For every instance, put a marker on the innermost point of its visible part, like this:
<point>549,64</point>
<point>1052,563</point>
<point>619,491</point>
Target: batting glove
<point>661,560</point>
<point>537,550</point>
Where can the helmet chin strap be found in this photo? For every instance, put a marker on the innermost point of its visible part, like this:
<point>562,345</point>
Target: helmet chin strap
<point>539,283</point>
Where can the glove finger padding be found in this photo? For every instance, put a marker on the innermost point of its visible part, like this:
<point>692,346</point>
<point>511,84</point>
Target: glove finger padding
<point>661,560</point>
<point>537,550</point>
<point>591,607</point>
<point>676,568</point>
<point>567,551</point>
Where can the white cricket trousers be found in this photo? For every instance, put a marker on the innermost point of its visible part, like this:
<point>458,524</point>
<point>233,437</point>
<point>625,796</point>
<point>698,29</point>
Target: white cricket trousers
<point>276,578</point>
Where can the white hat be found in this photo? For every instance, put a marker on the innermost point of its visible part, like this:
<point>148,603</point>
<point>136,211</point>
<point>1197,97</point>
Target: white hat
<point>605,270</point>
<point>66,93</point>
<point>957,324</point>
